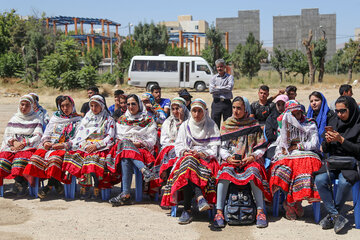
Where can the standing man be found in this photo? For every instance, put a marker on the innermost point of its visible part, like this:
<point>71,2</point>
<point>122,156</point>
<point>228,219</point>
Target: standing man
<point>163,102</point>
<point>221,86</point>
<point>86,107</point>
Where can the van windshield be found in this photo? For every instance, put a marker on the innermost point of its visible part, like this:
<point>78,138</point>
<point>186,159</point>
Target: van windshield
<point>204,68</point>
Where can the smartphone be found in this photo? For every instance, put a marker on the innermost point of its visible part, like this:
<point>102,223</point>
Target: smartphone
<point>237,156</point>
<point>329,128</point>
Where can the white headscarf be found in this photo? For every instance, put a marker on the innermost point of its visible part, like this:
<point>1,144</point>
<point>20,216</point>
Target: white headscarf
<point>22,124</point>
<point>171,125</point>
<point>91,122</point>
<point>204,132</point>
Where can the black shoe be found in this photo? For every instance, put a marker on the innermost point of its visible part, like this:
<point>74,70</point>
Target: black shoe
<point>23,190</point>
<point>339,222</point>
<point>44,192</point>
<point>120,200</point>
<point>15,188</point>
<point>60,189</point>
<point>148,175</point>
<point>327,222</point>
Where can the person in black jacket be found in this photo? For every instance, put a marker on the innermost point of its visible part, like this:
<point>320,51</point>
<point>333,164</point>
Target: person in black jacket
<point>342,140</point>
<point>271,124</point>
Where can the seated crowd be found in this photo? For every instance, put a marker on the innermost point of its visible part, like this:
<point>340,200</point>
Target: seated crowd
<point>270,145</point>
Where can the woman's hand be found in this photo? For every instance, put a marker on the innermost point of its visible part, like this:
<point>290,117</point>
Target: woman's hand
<point>91,148</point>
<point>18,145</point>
<point>58,146</point>
<point>333,136</point>
<point>233,161</point>
<point>248,160</point>
<point>292,147</point>
<point>48,145</point>
<point>11,142</point>
<point>138,144</point>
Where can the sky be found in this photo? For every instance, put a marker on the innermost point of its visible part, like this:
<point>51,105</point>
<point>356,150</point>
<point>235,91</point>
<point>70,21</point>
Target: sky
<point>135,11</point>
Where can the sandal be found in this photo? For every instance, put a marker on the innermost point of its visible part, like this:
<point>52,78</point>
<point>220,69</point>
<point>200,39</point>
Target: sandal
<point>148,175</point>
<point>289,211</point>
<point>84,193</point>
<point>44,192</point>
<point>96,194</point>
<point>219,220</point>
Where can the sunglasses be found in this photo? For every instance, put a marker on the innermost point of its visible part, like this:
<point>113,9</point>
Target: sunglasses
<point>341,111</point>
<point>131,104</point>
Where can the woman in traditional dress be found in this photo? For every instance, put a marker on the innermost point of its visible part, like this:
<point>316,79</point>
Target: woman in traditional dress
<point>196,147</point>
<point>319,111</point>
<point>242,135</point>
<point>47,160</point>
<point>342,140</point>
<point>92,143</point>
<point>296,158</point>
<point>40,111</point>
<point>169,132</point>
<point>136,136</point>
<point>22,136</point>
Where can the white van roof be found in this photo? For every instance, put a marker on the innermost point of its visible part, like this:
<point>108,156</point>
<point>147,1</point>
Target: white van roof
<point>163,57</point>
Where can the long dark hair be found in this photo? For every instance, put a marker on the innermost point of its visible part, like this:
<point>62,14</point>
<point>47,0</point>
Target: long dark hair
<point>316,94</point>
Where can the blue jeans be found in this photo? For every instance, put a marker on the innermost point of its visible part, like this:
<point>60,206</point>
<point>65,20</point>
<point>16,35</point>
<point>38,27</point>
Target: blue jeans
<point>127,166</point>
<point>322,183</point>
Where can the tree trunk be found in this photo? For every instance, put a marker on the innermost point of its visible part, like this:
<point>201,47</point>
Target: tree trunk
<point>281,76</point>
<point>119,58</point>
<point>321,70</point>
<point>307,44</point>
<point>303,79</point>
<point>350,73</point>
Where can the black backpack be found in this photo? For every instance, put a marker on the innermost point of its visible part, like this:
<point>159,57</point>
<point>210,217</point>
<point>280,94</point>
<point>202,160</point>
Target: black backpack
<point>240,207</point>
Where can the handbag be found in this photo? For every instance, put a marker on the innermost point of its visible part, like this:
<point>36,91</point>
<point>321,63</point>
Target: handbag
<point>342,163</point>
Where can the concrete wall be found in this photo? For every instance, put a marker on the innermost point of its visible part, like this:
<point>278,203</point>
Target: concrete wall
<point>357,34</point>
<point>240,27</point>
<point>289,31</point>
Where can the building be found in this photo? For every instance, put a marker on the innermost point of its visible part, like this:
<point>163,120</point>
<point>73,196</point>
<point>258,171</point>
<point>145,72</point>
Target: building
<point>357,34</point>
<point>239,27</point>
<point>289,31</point>
<point>189,29</point>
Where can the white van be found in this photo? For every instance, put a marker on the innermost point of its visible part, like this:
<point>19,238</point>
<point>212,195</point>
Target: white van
<point>169,71</point>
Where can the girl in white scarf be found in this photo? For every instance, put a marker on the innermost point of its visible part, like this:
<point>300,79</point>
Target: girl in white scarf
<point>196,146</point>
<point>21,137</point>
<point>136,132</point>
<point>92,142</point>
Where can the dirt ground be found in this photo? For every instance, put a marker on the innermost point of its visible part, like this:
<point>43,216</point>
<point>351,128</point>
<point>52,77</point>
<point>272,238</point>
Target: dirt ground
<point>55,218</point>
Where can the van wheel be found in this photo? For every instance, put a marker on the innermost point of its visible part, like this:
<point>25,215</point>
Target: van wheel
<point>200,87</point>
<point>149,86</point>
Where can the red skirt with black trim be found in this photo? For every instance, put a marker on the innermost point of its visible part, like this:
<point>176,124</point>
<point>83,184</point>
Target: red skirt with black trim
<point>293,174</point>
<point>12,164</point>
<point>46,164</point>
<point>199,171</point>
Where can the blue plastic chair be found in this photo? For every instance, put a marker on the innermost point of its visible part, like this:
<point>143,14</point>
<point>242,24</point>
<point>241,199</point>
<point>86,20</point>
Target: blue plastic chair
<point>33,191</point>
<point>1,188</point>
<point>105,194</point>
<point>139,186</point>
<point>70,189</point>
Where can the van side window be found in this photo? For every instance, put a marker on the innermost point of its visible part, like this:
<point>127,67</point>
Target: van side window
<point>203,68</point>
<point>139,66</point>
<point>156,66</point>
<point>171,66</point>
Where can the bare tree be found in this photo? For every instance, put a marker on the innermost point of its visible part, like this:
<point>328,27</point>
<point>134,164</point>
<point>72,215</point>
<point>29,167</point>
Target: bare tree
<point>309,48</point>
<point>352,61</point>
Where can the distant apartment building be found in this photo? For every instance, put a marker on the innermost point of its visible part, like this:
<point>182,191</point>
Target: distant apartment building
<point>357,34</point>
<point>289,31</point>
<point>189,27</point>
<point>239,27</point>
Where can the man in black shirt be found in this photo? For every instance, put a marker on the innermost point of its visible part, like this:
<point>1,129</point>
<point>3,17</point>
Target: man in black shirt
<point>90,92</point>
<point>262,108</point>
<point>122,109</point>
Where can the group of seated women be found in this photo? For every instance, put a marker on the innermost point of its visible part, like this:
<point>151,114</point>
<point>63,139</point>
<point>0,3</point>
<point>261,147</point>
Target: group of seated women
<point>185,156</point>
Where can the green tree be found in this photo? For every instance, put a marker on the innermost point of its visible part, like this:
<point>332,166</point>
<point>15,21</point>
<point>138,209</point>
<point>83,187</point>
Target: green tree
<point>59,69</point>
<point>8,21</point>
<point>125,50</point>
<point>334,65</point>
<point>278,61</point>
<point>152,39</point>
<point>320,49</point>
<point>87,76</point>
<point>10,64</point>
<point>93,58</point>
<point>297,63</point>
<point>176,51</point>
<point>247,59</point>
<point>351,56</point>
<point>215,50</point>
